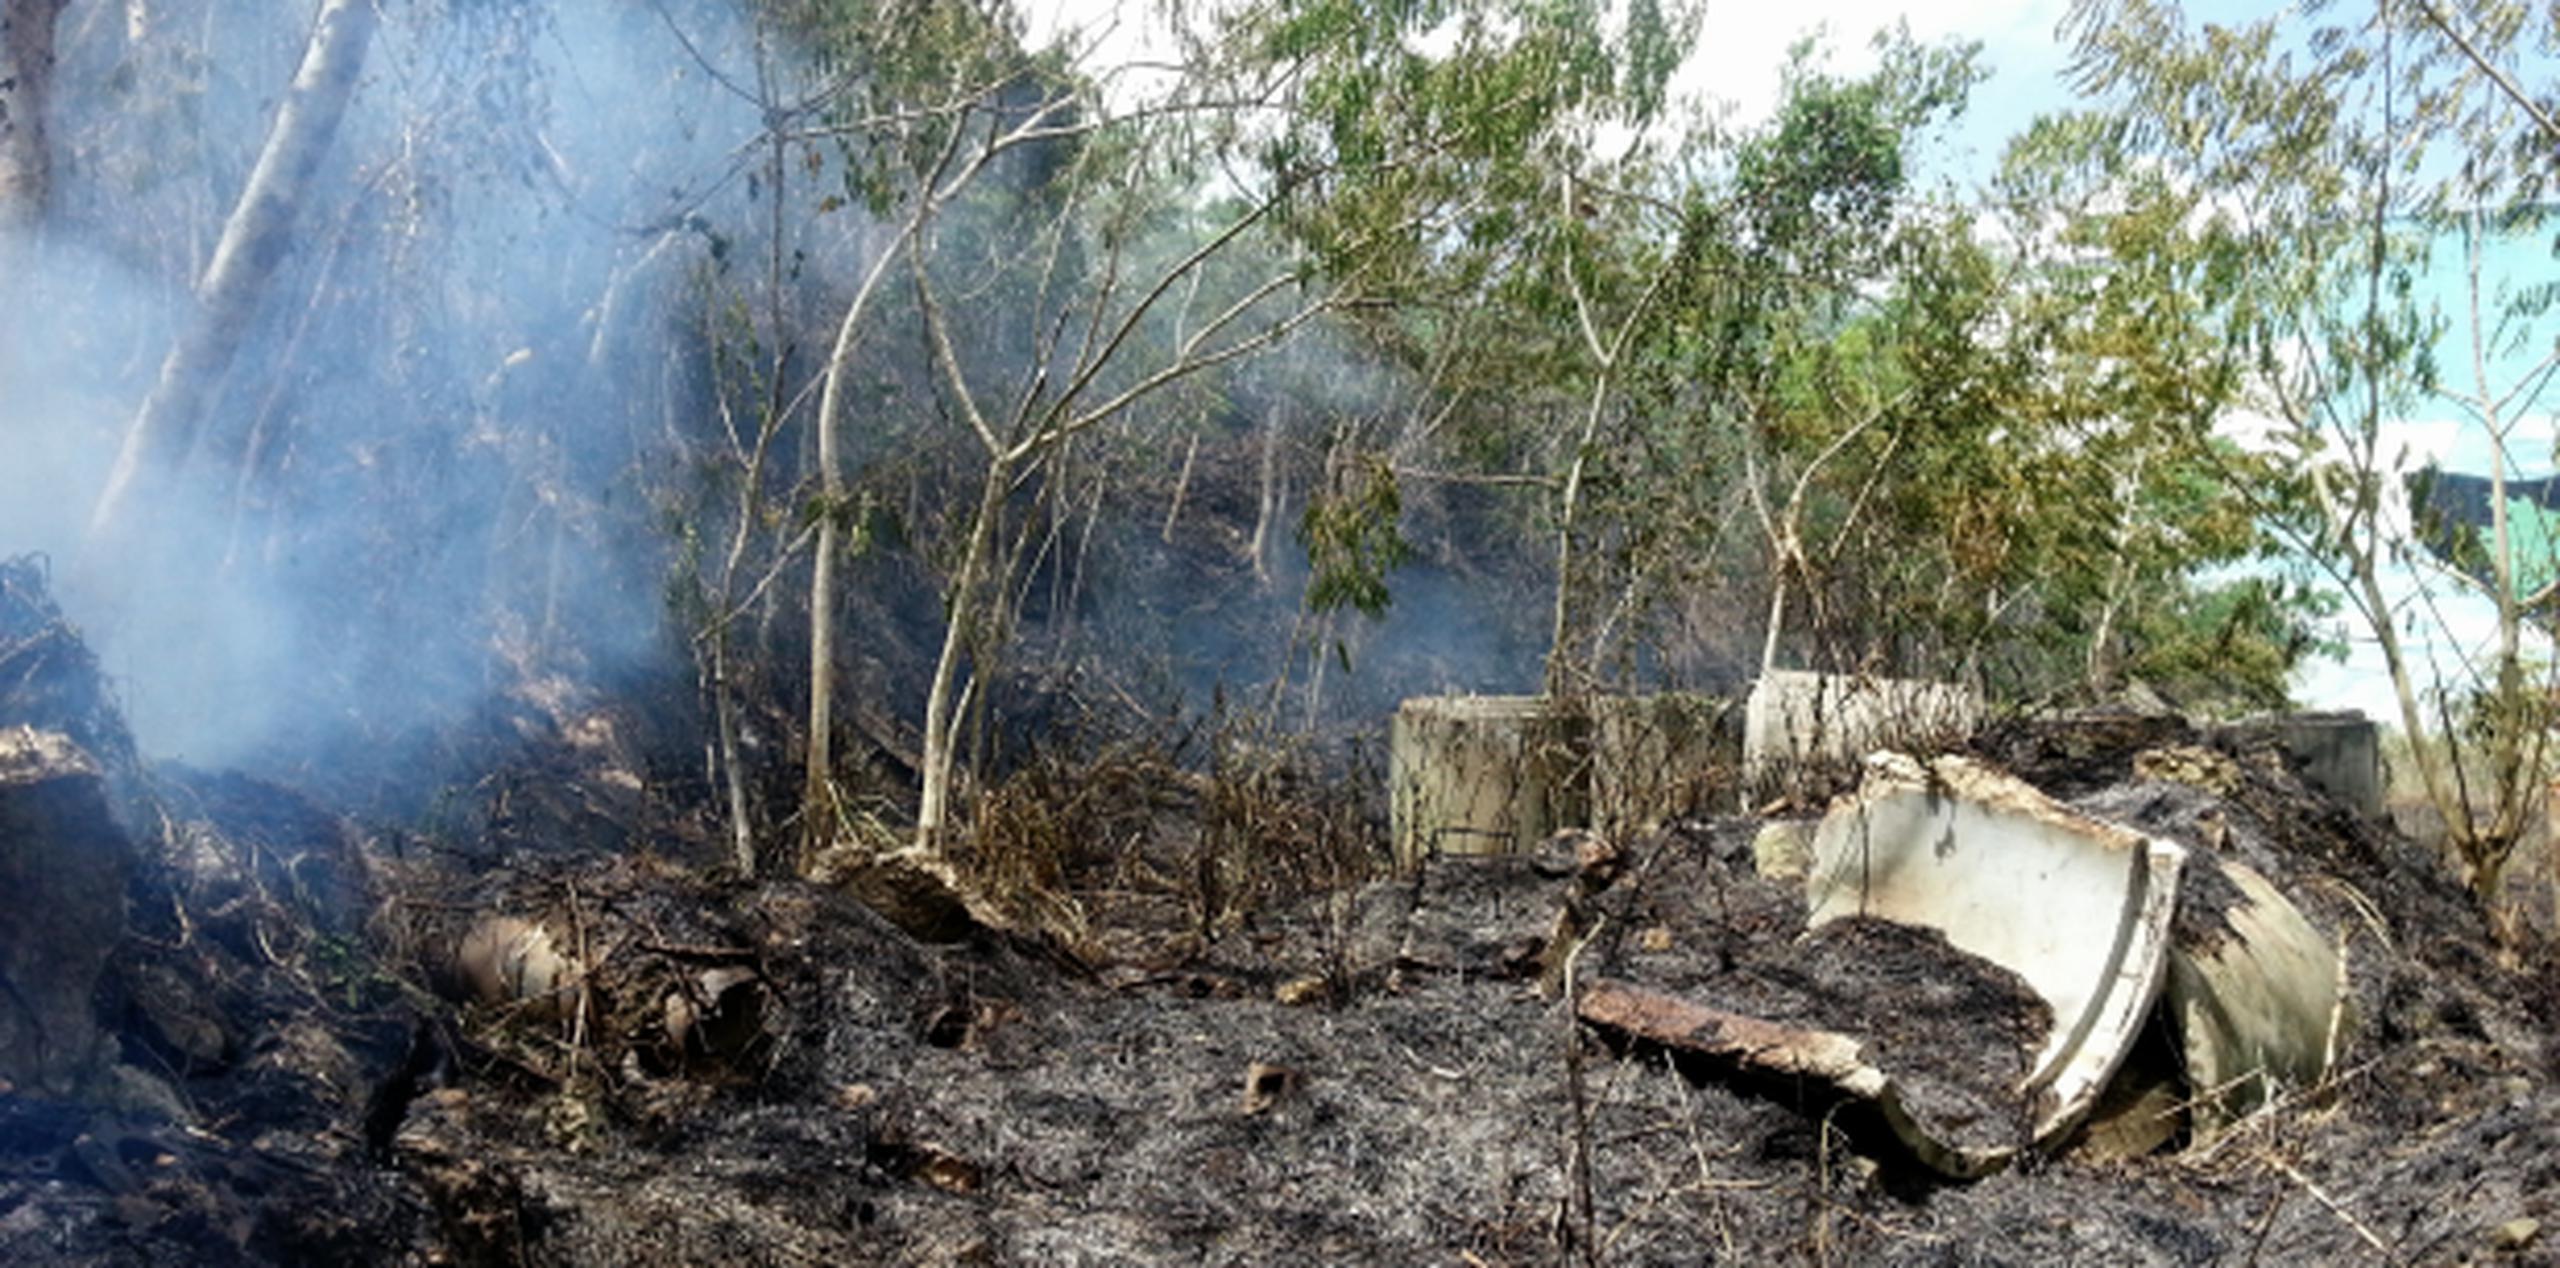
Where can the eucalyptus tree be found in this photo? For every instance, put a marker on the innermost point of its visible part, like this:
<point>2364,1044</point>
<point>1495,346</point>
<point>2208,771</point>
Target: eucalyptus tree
<point>2059,512</point>
<point>2333,155</point>
<point>1501,172</point>
<point>254,239</point>
<point>1777,360</point>
<point>1974,441</point>
<point>26,69</point>
<point>1336,163</point>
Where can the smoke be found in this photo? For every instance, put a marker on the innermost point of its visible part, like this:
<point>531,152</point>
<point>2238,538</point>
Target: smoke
<point>440,472</point>
<point>428,475</point>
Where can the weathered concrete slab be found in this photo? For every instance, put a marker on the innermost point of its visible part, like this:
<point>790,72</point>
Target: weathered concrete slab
<point>63,864</point>
<point>1484,775</point>
<point>2338,753</point>
<point>1794,719</point>
<point>1659,755</point>
<point>1500,774</point>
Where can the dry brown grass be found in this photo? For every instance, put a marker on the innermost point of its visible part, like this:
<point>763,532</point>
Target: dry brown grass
<point>1097,844</point>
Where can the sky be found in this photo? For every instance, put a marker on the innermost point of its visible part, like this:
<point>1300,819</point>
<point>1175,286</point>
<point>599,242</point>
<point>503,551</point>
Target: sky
<point>1736,64</point>
<point>1741,47</point>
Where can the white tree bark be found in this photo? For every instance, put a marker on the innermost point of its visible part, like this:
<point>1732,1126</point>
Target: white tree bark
<point>254,241</point>
<point>26,76</point>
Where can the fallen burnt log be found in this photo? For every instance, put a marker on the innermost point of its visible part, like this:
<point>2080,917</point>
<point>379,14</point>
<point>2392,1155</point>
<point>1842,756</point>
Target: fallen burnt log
<point>1948,1102</point>
<point>1823,1067</point>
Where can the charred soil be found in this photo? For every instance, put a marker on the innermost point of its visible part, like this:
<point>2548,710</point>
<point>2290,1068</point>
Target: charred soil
<point>1382,1072</point>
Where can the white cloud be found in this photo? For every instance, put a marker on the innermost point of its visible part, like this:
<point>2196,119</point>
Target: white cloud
<point>1742,48</point>
<point>1736,63</point>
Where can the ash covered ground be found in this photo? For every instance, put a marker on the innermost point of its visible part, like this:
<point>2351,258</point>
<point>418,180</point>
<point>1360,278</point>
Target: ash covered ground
<point>1387,1072</point>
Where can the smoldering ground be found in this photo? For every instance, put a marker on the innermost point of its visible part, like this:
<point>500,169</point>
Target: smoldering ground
<point>429,466</point>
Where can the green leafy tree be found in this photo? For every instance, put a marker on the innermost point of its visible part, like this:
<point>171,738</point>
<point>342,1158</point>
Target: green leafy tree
<point>1975,443</point>
<point>2335,153</point>
<point>2116,301</point>
<point>1344,194</point>
<point>1498,191</point>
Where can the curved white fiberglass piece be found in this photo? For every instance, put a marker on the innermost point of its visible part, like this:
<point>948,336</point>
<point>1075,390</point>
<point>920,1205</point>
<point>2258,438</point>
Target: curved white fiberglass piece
<point>2078,907</point>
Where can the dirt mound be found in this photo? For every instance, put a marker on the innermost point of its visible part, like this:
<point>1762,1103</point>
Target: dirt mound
<point>49,680</point>
<point>972,1104</point>
<point>946,1104</point>
<point>913,1104</point>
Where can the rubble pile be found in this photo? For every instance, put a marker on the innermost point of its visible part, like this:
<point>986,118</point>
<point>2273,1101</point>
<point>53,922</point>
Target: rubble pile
<point>240,1016</point>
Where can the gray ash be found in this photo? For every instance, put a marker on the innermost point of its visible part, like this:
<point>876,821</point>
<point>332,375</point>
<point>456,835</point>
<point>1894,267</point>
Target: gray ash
<point>1955,1031</point>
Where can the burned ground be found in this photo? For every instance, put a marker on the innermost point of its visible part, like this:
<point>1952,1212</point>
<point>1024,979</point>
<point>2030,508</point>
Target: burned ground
<point>1385,1071</point>
<point>1957,1033</point>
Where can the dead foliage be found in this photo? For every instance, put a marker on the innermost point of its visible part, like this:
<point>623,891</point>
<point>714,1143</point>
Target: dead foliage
<point>50,680</point>
<point>1126,848</point>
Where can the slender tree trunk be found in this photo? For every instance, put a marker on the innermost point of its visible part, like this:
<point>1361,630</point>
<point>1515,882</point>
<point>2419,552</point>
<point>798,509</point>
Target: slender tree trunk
<point>1781,541</point>
<point>817,803</point>
<point>254,241</point>
<point>1606,360</point>
<point>941,715</point>
<point>2099,667</point>
<point>769,423</point>
<point>2517,729</point>
<point>1559,660</point>
<point>733,773</point>
<point>1268,505</point>
<point>1776,621</point>
<point>26,78</point>
<point>1181,486</point>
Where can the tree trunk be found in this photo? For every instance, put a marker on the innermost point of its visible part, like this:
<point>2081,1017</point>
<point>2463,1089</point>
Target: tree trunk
<point>941,713</point>
<point>26,75</point>
<point>254,241</point>
<point>1268,505</point>
<point>817,802</point>
<point>1561,678</point>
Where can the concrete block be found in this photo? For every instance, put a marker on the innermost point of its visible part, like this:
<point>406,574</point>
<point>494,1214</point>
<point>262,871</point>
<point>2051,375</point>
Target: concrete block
<point>1483,775</point>
<point>2338,753</point>
<point>1500,774</point>
<point>1657,756</point>
<point>1796,720</point>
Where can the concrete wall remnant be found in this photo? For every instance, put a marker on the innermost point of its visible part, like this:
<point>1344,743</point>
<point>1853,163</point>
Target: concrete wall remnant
<point>1500,774</point>
<point>1658,755</point>
<point>1483,775</point>
<point>1795,720</point>
<point>2338,753</point>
